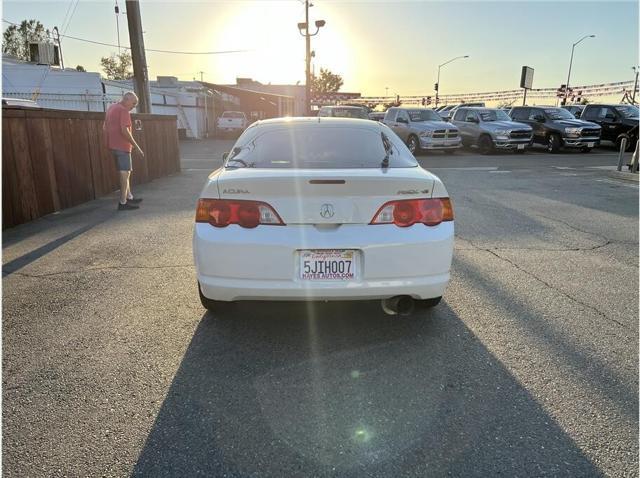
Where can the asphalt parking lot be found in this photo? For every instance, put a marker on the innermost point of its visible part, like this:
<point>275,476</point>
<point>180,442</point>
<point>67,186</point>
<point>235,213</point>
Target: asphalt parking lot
<point>527,368</point>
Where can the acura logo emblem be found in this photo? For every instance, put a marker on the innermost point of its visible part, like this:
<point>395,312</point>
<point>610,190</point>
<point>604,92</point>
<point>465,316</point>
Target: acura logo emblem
<point>326,211</point>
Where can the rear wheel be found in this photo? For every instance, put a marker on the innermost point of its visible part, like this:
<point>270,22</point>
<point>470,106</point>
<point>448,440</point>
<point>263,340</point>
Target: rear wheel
<point>413,144</point>
<point>213,306</point>
<point>428,303</point>
<point>485,144</point>
<point>553,143</point>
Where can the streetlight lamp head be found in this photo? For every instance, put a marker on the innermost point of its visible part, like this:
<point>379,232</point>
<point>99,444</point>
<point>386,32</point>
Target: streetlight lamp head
<point>466,56</point>
<point>592,36</point>
<point>302,26</point>
<point>320,23</point>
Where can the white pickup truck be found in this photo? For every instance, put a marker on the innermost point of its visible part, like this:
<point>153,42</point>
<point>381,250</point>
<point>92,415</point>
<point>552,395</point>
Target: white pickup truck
<point>232,122</point>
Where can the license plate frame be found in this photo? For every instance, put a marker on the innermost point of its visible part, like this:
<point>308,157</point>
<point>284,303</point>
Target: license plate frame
<point>327,265</point>
<point>521,146</point>
<point>591,145</point>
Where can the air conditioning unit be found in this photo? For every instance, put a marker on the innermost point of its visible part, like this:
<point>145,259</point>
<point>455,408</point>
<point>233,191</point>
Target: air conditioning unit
<point>44,53</point>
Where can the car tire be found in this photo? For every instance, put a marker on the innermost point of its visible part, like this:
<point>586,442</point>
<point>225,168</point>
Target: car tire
<point>428,303</point>
<point>213,306</point>
<point>413,143</point>
<point>553,143</point>
<point>485,144</point>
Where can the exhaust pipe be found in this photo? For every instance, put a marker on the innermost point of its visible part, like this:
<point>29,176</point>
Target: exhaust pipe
<point>402,305</point>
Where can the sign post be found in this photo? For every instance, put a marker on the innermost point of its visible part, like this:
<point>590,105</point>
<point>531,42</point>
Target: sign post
<point>526,81</point>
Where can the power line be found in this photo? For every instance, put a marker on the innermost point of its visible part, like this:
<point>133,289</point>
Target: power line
<point>147,49</point>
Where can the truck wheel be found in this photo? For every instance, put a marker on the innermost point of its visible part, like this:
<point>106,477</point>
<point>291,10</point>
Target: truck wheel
<point>485,144</point>
<point>413,144</point>
<point>631,145</point>
<point>553,143</point>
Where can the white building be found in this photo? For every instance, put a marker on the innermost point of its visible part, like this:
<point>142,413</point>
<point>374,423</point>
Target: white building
<point>68,89</point>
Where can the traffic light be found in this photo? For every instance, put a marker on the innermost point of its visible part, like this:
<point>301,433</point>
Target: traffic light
<point>435,86</point>
<point>398,99</point>
<point>424,101</point>
<point>428,100</point>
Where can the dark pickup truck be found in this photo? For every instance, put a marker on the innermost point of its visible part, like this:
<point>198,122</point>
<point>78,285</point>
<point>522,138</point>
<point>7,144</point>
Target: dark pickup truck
<point>556,128</point>
<point>616,121</point>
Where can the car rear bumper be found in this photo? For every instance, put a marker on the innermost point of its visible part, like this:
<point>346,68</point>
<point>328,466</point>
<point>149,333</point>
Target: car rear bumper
<point>263,263</point>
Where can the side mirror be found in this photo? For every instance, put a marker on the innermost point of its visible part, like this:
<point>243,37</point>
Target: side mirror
<point>473,120</point>
<point>611,118</point>
<point>224,156</point>
<point>403,120</point>
<point>539,119</point>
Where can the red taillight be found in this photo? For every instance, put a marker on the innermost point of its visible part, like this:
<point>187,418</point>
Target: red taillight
<point>249,214</point>
<point>430,212</point>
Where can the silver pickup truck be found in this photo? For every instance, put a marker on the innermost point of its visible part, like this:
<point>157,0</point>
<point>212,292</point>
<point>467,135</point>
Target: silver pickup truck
<point>422,128</point>
<point>490,129</point>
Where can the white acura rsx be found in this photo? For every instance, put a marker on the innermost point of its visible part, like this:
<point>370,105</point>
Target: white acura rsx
<point>323,209</point>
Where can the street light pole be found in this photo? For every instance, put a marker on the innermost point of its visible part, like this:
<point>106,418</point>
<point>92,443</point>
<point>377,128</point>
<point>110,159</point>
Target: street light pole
<point>305,26</point>
<point>438,80</point>
<point>573,47</point>
<point>635,84</point>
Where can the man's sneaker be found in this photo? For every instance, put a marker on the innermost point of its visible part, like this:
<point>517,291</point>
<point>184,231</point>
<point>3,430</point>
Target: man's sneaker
<point>134,200</point>
<point>127,207</point>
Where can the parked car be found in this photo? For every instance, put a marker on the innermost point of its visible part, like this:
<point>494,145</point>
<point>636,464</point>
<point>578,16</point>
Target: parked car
<point>232,123</point>
<point>377,115</point>
<point>616,121</point>
<point>19,102</point>
<point>491,129</point>
<point>322,209</point>
<point>422,128</point>
<point>444,112</point>
<point>575,110</point>
<point>556,128</point>
<point>343,112</point>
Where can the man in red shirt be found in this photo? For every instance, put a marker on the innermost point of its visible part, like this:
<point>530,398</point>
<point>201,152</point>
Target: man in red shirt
<point>119,140</point>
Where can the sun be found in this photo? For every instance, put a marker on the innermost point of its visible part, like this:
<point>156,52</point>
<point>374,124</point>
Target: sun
<point>275,48</point>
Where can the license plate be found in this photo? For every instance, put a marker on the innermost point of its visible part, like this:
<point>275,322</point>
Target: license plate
<point>521,146</point>
<point>328,265</point>
<point>590,145</point>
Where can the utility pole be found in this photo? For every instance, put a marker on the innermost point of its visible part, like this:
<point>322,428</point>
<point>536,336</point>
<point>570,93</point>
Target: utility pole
<point>140,73</point>
<point>62,59</point>
<point>635,84</point>
<point>307,35</point>
<point>201,77</point>
<point>117,10</point>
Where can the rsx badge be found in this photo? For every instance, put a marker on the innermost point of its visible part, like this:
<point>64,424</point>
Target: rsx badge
<point>235,191</point>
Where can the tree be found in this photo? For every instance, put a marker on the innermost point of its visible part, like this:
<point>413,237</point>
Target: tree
<point>81,68</point>
<point>16,38</point>
<point>117,67</point>
<point>327,82</point>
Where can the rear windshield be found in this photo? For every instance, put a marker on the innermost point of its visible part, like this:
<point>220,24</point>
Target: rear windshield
<point>418,116</point>
<point>232,114</point>
<point>319,148</point>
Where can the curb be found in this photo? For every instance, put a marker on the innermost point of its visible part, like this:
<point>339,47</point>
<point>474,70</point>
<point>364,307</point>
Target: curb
<point>624,175</point>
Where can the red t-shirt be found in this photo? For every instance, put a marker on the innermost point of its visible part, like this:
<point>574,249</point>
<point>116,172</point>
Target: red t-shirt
<point>117,117</point>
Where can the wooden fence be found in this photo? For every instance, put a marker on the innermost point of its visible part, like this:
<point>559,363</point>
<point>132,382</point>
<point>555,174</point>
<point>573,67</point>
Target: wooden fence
<point>55,159</point>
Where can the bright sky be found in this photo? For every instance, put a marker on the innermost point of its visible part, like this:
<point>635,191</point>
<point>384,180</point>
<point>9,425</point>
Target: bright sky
<point>372,44</point>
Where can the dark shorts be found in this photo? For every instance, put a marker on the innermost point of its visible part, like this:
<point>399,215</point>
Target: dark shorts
<point>123,160</point>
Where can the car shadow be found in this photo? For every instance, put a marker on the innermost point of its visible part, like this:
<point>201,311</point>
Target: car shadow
<point>341,389</point>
